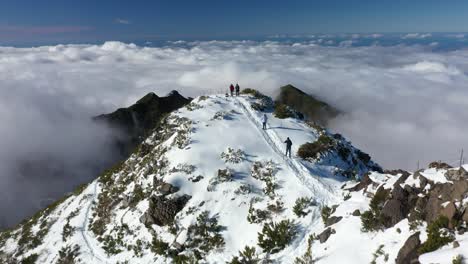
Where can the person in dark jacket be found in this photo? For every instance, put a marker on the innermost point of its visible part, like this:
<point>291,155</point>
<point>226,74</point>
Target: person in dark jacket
<point>237,89</point>
<point>231,88</point>
<point>264,121</point>
<point>288,146</point>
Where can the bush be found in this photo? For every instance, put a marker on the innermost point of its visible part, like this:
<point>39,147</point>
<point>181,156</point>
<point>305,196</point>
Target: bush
<point>437,235</point>
<point>307,257</point>
<point>373,220</point>
<point>257,215</point>
<point>247,256</point>
<point>253,92</point>
<point>159,247</point>
<point>205,235</point>
<point>301,205</point>
<point>457,259</point>
<point>326,212</point>
<point>276,236</point>
<point>68,254</point>
<point>313,150</point>
<point>282,111</point>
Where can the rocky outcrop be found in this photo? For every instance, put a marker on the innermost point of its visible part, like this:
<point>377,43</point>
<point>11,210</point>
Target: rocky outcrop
<point>137,121</point>
<point>323,237</point>
<point>164,188</point>
<point>397,207</point>
<point>439,165</point>
<point>408,254</point>
<point>456,175</point>
<point>161,211</point>
<point>312,108</point>
<point>333,220</point>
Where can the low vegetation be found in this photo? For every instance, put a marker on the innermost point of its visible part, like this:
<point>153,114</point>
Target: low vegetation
<point>438,235</point>
<point>313,150</point>
<point>282,111</point>
<point>247,256</point>
<point>276,236</point>
<point>204,235</point>
<point>302,205</point>
<point>307,258</point>
<point>373,220</point>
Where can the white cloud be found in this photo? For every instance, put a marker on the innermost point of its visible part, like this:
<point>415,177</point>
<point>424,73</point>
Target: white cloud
<point>403,103</point>
<point>416,36</point>
<point>122,21</point>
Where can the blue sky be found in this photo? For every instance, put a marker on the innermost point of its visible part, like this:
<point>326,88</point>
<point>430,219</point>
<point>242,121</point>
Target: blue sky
<point>99,20</point>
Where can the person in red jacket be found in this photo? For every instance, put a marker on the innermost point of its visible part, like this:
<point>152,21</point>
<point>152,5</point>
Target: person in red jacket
<point>231,88</point>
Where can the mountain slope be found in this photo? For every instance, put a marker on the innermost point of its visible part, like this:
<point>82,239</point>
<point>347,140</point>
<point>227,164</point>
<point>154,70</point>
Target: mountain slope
<point>136,121</point>
<point>313,109</point>
<point>203,186</point>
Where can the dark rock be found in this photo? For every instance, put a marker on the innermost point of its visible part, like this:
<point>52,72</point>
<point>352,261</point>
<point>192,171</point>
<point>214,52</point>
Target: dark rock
<point>137,121</point>
<point>396,172</point>
<point>365,181</point>
<point>450,212</point>
<point>323,237</point>
<point>356,213</point>
<point>456,175</point>
<point>162,211</point>
<point>465,216</point>
<point>163,187</point>
<point>408,254</point>
<point>439,165</point>
<point>456,244</point>
<point>333,220</point>
<point>312,108</point>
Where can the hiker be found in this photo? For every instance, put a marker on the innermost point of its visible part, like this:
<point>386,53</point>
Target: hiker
<point>264,121</point>
<point>231,88</point>
<point>237,89</point>
<point>288,146</point>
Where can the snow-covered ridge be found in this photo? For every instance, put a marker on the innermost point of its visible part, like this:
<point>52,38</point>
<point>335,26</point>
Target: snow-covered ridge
<point>205,185</point>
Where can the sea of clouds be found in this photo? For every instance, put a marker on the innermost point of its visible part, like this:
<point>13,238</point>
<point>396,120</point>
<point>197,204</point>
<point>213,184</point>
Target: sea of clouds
<point>402,104</point>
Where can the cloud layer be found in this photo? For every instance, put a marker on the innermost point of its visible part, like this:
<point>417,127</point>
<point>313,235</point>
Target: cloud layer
<point>403,104</point>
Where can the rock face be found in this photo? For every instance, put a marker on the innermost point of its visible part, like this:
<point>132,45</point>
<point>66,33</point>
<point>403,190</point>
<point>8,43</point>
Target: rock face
<point>408,254</point>
<point>439,165</point>
<point>397,207</point>
<point>312,108</point>
<point>162,211</point>
<point>163,187</point>
<point>333,220</point>
<point>323,237</point>
<point>136,121</point>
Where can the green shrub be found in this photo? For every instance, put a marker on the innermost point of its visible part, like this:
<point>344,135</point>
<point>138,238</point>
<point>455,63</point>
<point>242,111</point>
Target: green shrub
<point>252,92</point>
<point>313,150</point>
<point>31,259</point>
<point>282,111</point>
<point>276,236</point>
<point>159,247</point>
<point>67,255</point>
<point>373,220</point>
<point>437,235</point>
<point>301,205</point>
<point>326,212</point>
<point>457,259</point>
<point>307,257</point>
<point>247,256</point>
<point>257,215</point>
<point>204,236</point>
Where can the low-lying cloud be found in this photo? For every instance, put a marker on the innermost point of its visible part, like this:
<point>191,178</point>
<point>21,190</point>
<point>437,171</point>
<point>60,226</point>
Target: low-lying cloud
<point>403,104</point>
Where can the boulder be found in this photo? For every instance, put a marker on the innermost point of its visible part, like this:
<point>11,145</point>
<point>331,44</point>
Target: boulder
<point>356,212</point>
<point>333,220</point>
<point>408,254</point>
<point>465,216</point>
<point>323,237</point>
<point>162,211</point>
<point>456,244</point>
<point>439,165</point>
<point>396,208</point>
<point>365,181</point>
<point>163,187</point>
<point>456,175</point>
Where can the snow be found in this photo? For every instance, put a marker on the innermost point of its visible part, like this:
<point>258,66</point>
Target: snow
<point>217,124</point>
